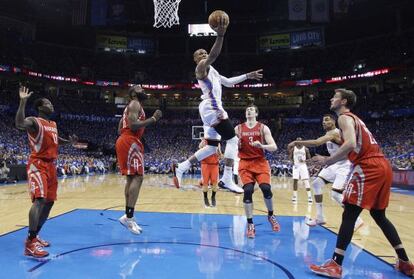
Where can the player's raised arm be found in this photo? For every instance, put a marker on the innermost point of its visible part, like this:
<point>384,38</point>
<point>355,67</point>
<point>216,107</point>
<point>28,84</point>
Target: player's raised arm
<point>201,69</point>
<point>23,123</point>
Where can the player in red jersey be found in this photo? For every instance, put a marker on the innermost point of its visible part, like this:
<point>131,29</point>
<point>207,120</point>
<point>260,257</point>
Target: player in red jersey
<point>255,137</point>
<point>368,187</point>
<point>130,152</point>
<point>210,174</point>
<point>41,167</point>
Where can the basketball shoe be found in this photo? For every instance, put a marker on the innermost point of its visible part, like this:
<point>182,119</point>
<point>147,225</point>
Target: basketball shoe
<point>34,249</point>
<point>231,186</point>
<point>213,201</point>
<point>251,231</point>
<point>206,202</point>
<point>274,223</point>
<point>130,224</point>
<point>404,267</point>
<point>329,269</point>
<point>314,222</point>
<point>42,242</point>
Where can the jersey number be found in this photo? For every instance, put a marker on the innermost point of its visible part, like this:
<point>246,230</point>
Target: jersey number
<point>55,138</point>
<point>371,137</point>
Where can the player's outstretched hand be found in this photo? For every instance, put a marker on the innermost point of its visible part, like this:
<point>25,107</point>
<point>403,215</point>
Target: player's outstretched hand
<point>73,139</point>
<point>319,160</point>
<point>257,75</point>
<point>24,93</point>
<point>157,114</point>
<point>221,27</point>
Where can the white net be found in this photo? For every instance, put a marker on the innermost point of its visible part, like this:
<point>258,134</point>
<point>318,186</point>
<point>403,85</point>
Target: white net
<point>166,13</point>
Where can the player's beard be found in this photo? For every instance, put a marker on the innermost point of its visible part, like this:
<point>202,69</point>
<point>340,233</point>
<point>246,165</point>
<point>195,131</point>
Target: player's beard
<point>142,97</point>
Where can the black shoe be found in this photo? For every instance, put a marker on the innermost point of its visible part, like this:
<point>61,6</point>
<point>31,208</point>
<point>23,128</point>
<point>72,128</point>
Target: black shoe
<point>221,185</point>
<point>206,202</point>
<point>213,201</point>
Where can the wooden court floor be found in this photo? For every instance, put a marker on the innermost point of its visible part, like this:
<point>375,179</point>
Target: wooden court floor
<point>158,195</point>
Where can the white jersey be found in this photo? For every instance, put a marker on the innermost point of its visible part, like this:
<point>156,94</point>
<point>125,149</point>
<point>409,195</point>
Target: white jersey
<point>211,86</point>
<point>299,156</point>
<point>333,148</point>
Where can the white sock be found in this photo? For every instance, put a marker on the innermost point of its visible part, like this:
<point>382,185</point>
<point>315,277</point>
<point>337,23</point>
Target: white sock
<point>319,211</point>
<point>295,193</point>
<point>227,174</point>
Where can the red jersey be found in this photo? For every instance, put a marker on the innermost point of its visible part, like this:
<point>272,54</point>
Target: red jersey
<point>366,146</point>
<point>211,160</point>
<point>125,125</point>
<point>247,136</point>
<point>44,143</point>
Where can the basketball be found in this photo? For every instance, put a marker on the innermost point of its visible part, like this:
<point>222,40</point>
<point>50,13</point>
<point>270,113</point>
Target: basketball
<point>214,18</point>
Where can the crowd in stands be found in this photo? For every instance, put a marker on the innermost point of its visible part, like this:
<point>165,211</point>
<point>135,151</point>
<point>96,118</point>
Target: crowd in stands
<point>170,140</point>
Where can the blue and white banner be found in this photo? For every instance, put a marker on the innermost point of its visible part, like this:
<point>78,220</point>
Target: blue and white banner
<point>313,37</point>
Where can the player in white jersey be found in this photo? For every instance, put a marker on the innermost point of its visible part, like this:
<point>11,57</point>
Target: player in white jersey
<point>336,174</point>
<point>216,123</point>
<point>298,154</point>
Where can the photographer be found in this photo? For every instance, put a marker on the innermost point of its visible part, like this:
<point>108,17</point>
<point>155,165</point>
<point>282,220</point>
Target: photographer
<point>4,173</point>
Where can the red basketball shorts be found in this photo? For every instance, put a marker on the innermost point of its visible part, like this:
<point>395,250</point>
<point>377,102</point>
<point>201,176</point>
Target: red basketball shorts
<point>210,173</point>
<point>42,179</point>
<point>370,184</point>
<point>130,155</point>
<point>255,170</point>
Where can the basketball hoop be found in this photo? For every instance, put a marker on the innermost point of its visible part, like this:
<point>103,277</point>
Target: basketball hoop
<point>197,132</point>
<point>166,13</point>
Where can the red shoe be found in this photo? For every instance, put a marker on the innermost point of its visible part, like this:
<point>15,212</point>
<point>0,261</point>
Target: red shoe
<point>42,242</point>
<point>274,223</point>
<point>329,269</point>
<point>34,249</point>
<point>251,231</point>
<point>406,268</point>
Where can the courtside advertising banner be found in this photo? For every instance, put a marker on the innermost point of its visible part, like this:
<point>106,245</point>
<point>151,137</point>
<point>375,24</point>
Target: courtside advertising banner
<point>271,42</point>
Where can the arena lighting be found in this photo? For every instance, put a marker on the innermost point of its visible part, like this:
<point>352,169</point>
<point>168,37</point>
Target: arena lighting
<point>286,83</point>
<point>363,75</point>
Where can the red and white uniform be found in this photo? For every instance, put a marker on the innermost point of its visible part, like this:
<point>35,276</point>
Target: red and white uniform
<point>210,170</point>
<point>253,166</point>
<point>129,149</point>
<point>371,175</point>
<point>41,166</point>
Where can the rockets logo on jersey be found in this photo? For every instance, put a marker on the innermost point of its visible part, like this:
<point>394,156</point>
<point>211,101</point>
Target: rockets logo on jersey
<point>44,143</point>
<point>247,137</point>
